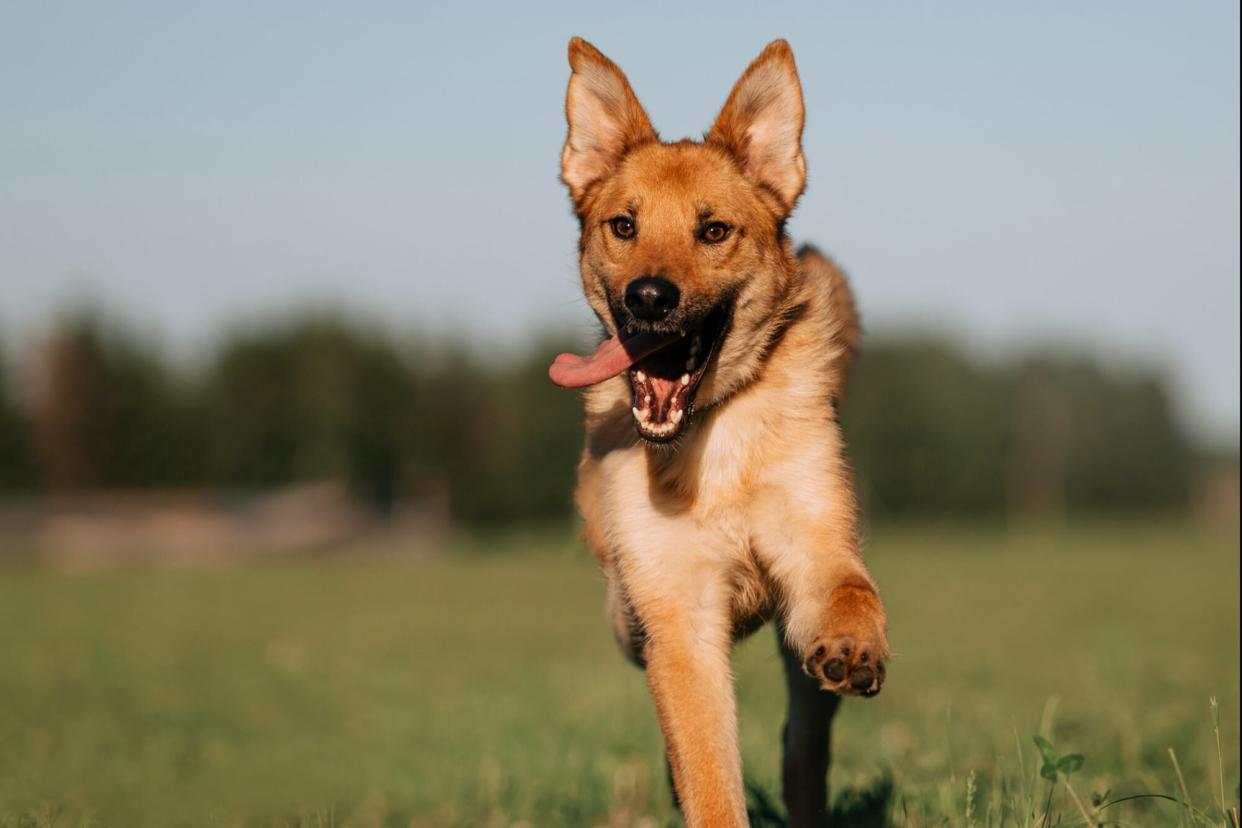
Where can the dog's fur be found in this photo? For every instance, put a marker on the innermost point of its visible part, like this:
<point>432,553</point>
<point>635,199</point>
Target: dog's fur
<point>749,515</point>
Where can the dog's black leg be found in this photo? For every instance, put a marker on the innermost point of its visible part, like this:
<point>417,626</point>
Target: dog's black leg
<point>805,743</point>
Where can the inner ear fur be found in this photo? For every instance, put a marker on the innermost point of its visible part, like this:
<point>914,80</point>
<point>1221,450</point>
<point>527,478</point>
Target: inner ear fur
<point>605,119</point>
<point>761,124</point>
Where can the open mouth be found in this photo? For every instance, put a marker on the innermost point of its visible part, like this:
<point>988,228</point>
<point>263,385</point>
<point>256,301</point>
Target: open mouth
<point>664,367</point>
<point>664,382</point>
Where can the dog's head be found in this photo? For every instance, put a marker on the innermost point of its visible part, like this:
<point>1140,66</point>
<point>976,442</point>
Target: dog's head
<point>683,253</point>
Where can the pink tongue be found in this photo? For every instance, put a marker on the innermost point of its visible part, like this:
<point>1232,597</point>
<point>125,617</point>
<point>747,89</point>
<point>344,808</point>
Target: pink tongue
<point>611,358</point>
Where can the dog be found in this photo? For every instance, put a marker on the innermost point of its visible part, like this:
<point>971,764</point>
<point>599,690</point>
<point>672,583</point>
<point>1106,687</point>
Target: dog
<point>713,485</point>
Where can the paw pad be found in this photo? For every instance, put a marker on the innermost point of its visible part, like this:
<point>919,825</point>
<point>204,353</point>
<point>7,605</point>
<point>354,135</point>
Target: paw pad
<point>847,666</point>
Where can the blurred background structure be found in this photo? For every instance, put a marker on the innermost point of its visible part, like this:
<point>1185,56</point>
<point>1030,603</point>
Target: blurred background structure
<point>99,428</point>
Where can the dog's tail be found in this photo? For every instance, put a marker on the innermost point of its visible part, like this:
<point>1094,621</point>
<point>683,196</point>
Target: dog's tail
<point>847,329</point>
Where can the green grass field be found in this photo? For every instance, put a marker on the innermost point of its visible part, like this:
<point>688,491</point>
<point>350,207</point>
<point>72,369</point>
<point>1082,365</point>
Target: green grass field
<point>480,687</point>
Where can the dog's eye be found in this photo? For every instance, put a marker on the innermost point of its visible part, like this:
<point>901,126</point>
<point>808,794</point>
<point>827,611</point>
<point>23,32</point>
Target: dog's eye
<point>715,232</point>
<point>622,227</point>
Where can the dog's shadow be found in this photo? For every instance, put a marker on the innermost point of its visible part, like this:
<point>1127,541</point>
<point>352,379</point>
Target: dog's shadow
<point>862,807</point>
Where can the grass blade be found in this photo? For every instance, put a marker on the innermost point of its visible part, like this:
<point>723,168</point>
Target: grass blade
<point>1220,759</point>
<point>1181,780</point>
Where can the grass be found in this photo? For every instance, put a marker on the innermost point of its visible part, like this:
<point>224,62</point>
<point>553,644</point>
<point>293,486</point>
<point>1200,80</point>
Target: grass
<point>480,687</point>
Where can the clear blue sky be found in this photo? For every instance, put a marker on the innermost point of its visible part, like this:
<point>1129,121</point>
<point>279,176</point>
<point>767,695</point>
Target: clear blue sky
<point>1005,171</point>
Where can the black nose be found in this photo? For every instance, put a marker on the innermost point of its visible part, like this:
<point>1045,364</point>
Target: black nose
<point>651,298</point>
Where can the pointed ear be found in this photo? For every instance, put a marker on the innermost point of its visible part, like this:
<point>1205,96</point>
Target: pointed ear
<point>761,123</point>
<point>605,118</point>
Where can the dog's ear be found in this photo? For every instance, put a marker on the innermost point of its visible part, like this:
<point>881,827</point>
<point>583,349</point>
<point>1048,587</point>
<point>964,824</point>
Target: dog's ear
<point>605,118</point>
<point>761,123</point>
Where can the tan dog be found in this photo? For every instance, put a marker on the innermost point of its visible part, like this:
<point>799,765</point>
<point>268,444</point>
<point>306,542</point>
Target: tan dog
<point>713,484</point>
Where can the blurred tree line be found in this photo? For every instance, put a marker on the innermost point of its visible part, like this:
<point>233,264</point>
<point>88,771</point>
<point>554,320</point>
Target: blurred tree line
<point>931,432</point>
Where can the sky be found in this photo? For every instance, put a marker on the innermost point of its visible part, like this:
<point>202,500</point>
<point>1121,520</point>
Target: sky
<point>1007,173</point>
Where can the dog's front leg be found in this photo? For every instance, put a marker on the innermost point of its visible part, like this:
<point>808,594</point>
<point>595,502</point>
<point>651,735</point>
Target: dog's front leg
<point>687,657</point>
<point>843,636</point>
<point>806,534</point>
<point>833,614</point>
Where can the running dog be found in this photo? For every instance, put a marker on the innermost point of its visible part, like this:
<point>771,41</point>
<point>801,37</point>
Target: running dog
<point>713,484</point>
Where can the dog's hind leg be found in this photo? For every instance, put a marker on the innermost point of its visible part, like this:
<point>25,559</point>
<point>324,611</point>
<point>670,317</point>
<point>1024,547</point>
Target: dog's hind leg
<point>805,743</point>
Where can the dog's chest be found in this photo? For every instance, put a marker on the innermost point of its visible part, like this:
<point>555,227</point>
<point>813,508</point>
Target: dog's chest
<point>712,480</point>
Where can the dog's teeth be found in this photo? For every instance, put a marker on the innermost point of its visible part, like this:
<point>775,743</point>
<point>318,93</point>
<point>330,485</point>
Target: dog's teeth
<point>685,379</point>
<point>640,376</point>
<point>676,414</point>
<point>694,346</point>
<point>647,399</point>
<point>638,415</point>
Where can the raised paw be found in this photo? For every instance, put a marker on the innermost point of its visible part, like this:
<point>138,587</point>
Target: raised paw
<point>846,665</point>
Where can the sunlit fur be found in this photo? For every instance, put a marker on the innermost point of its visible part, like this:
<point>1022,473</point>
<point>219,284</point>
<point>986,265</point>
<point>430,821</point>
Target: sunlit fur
<point>750,515</point>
